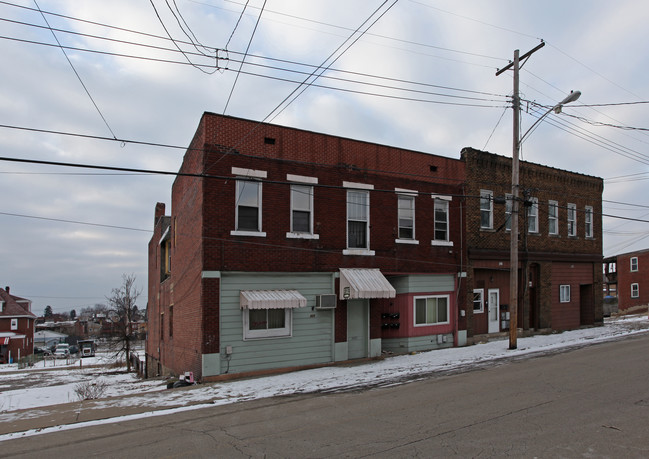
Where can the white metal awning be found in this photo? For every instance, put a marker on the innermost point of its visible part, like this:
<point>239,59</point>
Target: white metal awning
<point>364,283</point>
<point>271,299</point>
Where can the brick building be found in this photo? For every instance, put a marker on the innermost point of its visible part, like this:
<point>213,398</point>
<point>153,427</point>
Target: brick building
<point>560,265</point>
<point>627,278</point>
<point>16,327</point>
<point>286,248</point>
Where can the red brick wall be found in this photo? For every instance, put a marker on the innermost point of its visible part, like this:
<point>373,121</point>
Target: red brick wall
<point>566,316</point>
<point>625,278</point>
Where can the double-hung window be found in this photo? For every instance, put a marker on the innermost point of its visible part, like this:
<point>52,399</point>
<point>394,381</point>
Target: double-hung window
<point>553,217</point>
<point>588,218</point>
<point>478,300</point>
<point>509,205</point>
<point>634,264</point>
<point>564,293</point>
<point>302,209</point>
<point>431,310</point>
<point>635,290</point>
<point>572,219</point>
<point>358,220</point>
<point>406,217</point>
<point>14,324</point>
<point>533,216</point>
<point>441,232</point>
<point>486,209</point>
<point>247,202</point>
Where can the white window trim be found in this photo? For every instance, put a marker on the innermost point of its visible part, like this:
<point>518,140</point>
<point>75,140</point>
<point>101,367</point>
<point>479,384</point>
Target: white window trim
<point>250,173</point>
<point>414,310</point>
<point>248,233</point>
<point>413,240</point>
<point>633,268</point>
<point>442,242</point>
<point>297,234</point>
<point>14,324</point>
<point>407,241</point>
<point>589,215</point>
<point>635,287</point>
<point>555,219</point>
<point>572,207</point>
<point>237,232</point>
<point>406,191</point>
<point>364,251</point>
<point>285,332</point>
<point>358,186</point>
<point>533,211</point>
<point>302,179</point>
<point>490,194</point>
<point>564,293</point>
<point>481,292</point>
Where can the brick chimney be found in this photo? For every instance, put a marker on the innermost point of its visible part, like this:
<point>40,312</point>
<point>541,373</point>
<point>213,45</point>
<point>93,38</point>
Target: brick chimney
<point>159,212</point>
<point>6,289</point>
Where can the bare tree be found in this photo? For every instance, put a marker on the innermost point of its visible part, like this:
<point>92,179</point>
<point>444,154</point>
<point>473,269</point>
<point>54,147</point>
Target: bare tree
<point>121,309</point>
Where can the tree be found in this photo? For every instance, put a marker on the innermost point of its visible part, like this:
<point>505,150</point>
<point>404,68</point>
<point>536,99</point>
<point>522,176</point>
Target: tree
<point>48,312</point>
<point>121,308</point>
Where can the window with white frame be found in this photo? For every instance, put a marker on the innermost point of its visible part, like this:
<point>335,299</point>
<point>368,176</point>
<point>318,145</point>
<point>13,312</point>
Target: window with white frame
<point>588,218</point>
<point>486,209</point>
<point>302,209</point>
<point>634,264</point>
<point>358,219</point>
<point>572,219</point>
<point>431,310</point>
<point>406,216</point>
<point>533,216</point>
<point>441,220</point>
<point>248,206</point>
<point>509,205</point>
<point>14,324</point>
<point>267,323</point>
<point>478,300</point>
<point>564,293</point>
<point>635,290</point>
<point>553,217</point>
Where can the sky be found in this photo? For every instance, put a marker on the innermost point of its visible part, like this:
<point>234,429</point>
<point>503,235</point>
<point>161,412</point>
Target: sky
<point>53,387</point>
<point>415,74</point>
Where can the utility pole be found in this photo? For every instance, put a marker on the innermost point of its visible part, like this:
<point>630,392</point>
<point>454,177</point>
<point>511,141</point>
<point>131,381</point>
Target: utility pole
<point>513,247</point>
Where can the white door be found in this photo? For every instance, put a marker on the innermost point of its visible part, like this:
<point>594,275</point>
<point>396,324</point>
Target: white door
<point>357,329</point>
<point>493,305</point>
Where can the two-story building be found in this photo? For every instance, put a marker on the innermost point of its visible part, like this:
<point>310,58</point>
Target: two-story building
<point>626,277</point>
<point>286,248</point>
<point>560,245</point>
<point>16,327</point>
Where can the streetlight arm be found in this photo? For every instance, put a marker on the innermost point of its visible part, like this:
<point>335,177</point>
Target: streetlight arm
<point>573,96</point>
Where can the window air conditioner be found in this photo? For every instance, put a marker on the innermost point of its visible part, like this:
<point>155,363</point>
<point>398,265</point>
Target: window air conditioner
<point>325,301</point>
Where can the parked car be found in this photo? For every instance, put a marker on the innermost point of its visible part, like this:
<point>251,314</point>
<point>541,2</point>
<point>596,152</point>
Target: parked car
<point>62,351</point>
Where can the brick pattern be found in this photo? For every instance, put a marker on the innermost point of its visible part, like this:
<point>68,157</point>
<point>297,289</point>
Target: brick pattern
<point>626,277</point>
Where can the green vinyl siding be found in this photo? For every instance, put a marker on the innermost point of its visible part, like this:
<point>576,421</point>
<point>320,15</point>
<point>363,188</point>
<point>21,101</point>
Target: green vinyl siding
<point>429,283</point>
<point>416,343</point>
<point>312,330</point>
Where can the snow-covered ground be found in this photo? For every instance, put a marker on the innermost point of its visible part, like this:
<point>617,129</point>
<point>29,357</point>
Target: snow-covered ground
<point>37,387</point>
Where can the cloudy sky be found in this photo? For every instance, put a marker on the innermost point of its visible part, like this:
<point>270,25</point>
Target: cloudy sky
<point>422,77</point>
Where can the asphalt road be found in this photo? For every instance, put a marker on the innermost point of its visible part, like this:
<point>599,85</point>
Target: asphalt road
<point>589,402</point>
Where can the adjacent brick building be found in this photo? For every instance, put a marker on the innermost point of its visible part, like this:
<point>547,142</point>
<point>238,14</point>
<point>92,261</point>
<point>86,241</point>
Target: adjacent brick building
<point>287,248</point>
<point>627,277</point>
<point>16,327</point>
<point>560,229</point>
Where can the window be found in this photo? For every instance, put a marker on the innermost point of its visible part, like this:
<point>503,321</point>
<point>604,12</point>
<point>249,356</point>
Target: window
<point>14,324</point>
<point>572,220</point>
<point>248,206</point>
<point>171,321</point>
<point>634,264</point>
<point>266,323</point>
<point>588,217</point>
<point>553,217</point>
<point>486,209</point>
<point>509,205</point>
<point>441,220</point>
<point>635,290</point>
<point>406,216</point>
<point>431,310</point>
<point>533,216</point>
<point>302,209</point>
<point>358,203</point>
<point>478,300</point>
<point>564,293</point>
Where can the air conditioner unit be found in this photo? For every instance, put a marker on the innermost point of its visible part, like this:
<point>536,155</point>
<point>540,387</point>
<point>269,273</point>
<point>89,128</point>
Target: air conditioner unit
<point>325,301</point>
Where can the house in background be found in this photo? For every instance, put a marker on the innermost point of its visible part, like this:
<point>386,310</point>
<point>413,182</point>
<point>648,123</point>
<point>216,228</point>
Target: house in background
<point>46,339</point>
<point>16,327</point>
<point>560,246</point>
<point>627,274</point>
<point>286,248</point>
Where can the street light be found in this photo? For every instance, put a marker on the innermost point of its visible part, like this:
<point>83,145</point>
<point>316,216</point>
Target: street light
<point>513,261</point>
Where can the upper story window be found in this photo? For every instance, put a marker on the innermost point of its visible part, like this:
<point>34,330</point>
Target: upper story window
<point>509,205</point>
<point>572,219</point>
<point>302,209</point>
<point>634,264</point>
<point>358,219</point>
<point>553,217</point>
<point>441,214</point>
<point>533,216</point>
<point>406,216</point>
<point>14,324</point>
<point>588,218</point>
<point>486,209</point>
<point>431,310</point>
<point>248,209</point>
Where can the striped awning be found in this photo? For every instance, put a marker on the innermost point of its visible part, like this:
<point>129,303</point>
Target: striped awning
<point>271,299</point>
<point>4,341</point>
<point>364,283</point>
